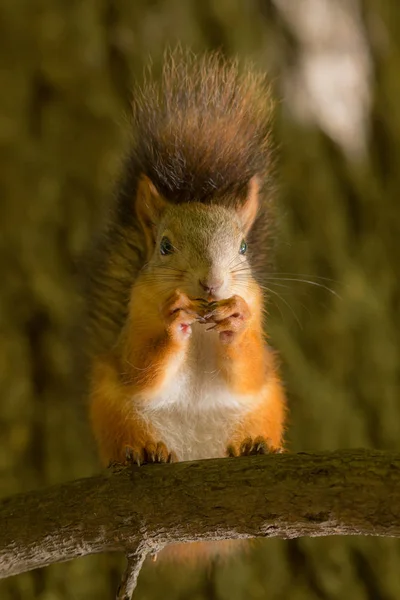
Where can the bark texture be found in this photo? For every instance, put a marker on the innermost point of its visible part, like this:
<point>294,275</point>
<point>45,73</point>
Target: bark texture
<point>140,510</point>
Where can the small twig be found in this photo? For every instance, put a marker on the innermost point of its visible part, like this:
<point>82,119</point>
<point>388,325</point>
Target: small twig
<point>131,574</point>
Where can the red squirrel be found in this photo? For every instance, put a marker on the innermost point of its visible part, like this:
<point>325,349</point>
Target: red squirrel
<point>180,365</point>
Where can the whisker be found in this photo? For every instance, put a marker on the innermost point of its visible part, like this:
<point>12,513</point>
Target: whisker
<point>315,283</point>
<point>306,275</point>
<point>160,285</point>
<point>157,280</point>
<point>169,268</point>
<point>237,258</point>
<point>285,302</point>
<point>241,269</point>
<point>264,310</point>
<point>144,369</point>
<point>241,278</point>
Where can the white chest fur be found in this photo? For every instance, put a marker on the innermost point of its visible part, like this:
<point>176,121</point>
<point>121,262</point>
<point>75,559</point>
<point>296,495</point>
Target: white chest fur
<point>195,413</point>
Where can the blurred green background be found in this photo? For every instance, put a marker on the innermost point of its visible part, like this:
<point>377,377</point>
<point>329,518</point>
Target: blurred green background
<point>66,70</point>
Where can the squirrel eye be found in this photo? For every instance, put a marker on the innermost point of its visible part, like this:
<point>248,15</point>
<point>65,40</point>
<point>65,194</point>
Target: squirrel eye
<point>166,247</point>
<point>243,247</point>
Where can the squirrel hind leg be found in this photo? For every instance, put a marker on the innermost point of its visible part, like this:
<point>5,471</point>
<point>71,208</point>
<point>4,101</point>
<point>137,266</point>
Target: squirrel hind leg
<point>151,453</point>
<point>253,446</point>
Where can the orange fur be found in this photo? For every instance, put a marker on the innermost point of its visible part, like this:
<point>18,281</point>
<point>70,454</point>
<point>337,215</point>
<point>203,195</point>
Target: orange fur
<point>199,177</point>
<point>266,420</point>
<point>149,350</point>
<point>149,346</point>
<point>115,424</point>
<point>245,362</point>
<point>152,348</point>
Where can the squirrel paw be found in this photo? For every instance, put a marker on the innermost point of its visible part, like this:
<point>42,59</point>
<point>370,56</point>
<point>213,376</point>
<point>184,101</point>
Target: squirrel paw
<point>150,453</point>
<point>180,312</point>
<point>252,446</point>
<point>230,317</point>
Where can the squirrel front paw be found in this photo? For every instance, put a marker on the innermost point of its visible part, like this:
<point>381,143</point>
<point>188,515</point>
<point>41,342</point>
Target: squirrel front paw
<point>229,316</point>
<point>148,454</point>
<point>252,446</point>
<point>180,312</point>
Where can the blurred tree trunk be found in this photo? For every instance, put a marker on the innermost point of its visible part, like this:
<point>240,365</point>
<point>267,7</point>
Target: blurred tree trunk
<point>65,75</point>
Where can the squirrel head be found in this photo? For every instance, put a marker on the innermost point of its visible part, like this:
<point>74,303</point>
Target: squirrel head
<point>198,248</point>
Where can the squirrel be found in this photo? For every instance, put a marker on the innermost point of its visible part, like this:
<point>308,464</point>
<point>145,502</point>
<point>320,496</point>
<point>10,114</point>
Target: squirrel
<point>180,367</point>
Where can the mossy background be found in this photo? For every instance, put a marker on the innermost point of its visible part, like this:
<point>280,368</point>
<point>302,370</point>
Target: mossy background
<point>66,70</point>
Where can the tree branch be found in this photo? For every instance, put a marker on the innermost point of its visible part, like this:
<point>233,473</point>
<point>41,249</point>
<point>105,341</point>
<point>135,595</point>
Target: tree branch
<point>139,510</point>
<point>130,577</point>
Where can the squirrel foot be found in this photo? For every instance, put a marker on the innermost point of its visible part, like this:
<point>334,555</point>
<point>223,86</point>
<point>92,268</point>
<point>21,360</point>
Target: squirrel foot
<point>150,453</point>
<point>252,446</point>
<point>230,317</point>
<point>180,312</point>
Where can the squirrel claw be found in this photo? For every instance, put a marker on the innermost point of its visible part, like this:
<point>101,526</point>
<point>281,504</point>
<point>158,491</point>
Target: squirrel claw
<point>201,301</point>
<point>180,312</point>
<point>151,453</point>
<point>201,320</point>
<point>230,451</point>
<point>213,305</point>
<point>252,447</point>
<point>133,457</point>
<point>229,316</point>
<point>161,453</point>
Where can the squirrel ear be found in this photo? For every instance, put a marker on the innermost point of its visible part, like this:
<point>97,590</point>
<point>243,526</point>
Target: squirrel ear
<point>248,211</point>
<point>150,206</point>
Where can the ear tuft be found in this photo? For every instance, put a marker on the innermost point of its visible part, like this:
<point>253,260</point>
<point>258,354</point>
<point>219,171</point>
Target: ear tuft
<point>150,206</point>
<point>248,210</point>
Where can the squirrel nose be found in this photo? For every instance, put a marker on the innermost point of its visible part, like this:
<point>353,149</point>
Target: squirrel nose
<point>211,285</point>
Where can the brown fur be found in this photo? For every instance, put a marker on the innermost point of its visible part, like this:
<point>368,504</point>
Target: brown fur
<point>200,134</point>
<point>204,130</point>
